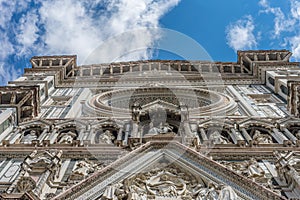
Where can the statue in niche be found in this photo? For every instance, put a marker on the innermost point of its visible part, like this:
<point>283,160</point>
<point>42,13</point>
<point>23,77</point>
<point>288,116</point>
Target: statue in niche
<point>217,138</point>
<point>67,138</point>
<point>259,138</point>
<point>107,137</point>
<point>27,139</point>
<point>161,129</point>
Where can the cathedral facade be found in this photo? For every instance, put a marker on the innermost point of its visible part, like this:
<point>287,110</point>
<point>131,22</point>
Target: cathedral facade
<point>156,129</point>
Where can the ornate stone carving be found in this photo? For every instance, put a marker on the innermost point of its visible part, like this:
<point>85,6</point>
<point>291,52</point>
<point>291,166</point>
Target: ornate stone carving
<point>167,183</point>
<point>27,139</point>
<point>216,138</point>
<point>107,137</point>
<point>161,129</point>
<point>288,168</point>
<point>259,138</point>
<point>67,138</point>
<point>83,169</point>
<point>26,184</point>
<point>249,168</point>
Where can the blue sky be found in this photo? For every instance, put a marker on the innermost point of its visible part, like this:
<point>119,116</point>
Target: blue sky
<point>53,27</point>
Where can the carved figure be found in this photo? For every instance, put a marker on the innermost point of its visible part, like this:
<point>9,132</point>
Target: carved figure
<point>167,183</point>
<point>27,139</point>
<point>259,138</point>
<point>107,137</point>
<point>215,192</point>
<point>217,138</point>
<point>226,193</point>
<point>254,169</point>
<point>166,128</point>
<point>164,183</point>
<point>136,111</point>
<point>67,138</point>
<point>84,168</point>
<point>110,192</point>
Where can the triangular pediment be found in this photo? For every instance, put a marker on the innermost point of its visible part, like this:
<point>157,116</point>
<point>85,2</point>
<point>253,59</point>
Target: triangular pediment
<point>166,169</point>
<point>159,104</point>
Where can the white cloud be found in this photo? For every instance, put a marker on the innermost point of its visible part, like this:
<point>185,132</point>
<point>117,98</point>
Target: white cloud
<point>68,30</point>
<point>6,47</point>
<point>295,46</point>
<point>78,27</point>
<point>286,25</point>
<point>8,73</point>
<point>26,33</point>
<point>281,21</point>
<point>78,32</point>
<point>240,34</point>
<point>295,9</point>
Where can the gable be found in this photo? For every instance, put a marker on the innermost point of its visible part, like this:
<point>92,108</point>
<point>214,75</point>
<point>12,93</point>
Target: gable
<point>163,157</point>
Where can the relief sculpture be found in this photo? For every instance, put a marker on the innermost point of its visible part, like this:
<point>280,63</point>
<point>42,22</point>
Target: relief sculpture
<point>167,183</point>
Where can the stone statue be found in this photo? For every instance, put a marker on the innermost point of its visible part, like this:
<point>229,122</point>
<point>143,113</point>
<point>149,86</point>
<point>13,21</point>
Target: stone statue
<point>248,168</point>
<point>107,137</point>
<point>166,128</point>
<point>67,138</point>
<point>254,169</point>
<point>136,112</point>
<point>217,138</point>
<point>110,192</point>
<point>167,182</point>
<point>215,192</point>
<point>83,169</point>
<point>226,193</point>
<point>288,167</point>
<point>136,193</point>
<point>27,139</point>
<point>184,112</point>
<point>259,138</point>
